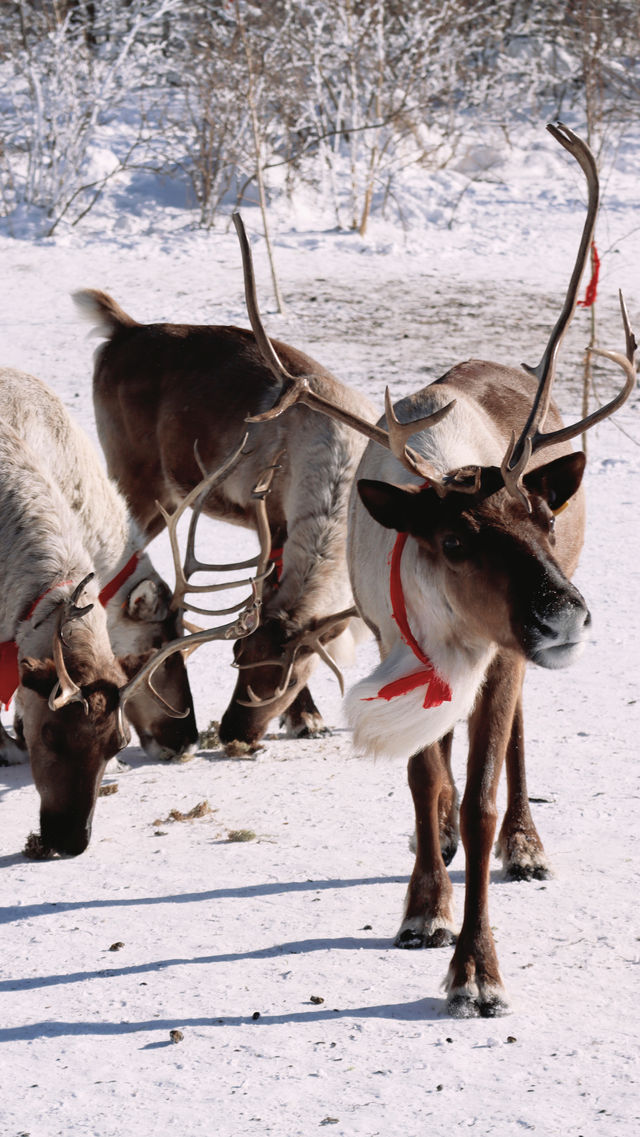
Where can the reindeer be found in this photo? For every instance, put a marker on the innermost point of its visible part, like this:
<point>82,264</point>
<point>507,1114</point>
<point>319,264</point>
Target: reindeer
<point>461,549</point>
<point>160,388</point>
<point>135,597</point>
<point>73,690</point>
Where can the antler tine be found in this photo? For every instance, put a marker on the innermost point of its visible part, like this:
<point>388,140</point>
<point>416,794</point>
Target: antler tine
<point>265,565</point>
<point>296,389</point>
<point>308,637</point>
<point>65,690</point>
<point>196,498</point>
<point>246,623</point>
<point>286,662</point>
<point>400,432</point>
<point>626,362</point>
<point>191,562</point>
<point>519,452</point>
<point>291,385</point>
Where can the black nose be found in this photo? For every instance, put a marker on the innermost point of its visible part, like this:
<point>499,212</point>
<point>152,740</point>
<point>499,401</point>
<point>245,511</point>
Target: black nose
<point>64,834</point>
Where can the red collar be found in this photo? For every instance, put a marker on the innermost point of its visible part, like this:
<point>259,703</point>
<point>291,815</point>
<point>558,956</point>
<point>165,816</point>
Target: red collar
<point>9,673</point>
<point>112,587</point>
<point>438,690</point>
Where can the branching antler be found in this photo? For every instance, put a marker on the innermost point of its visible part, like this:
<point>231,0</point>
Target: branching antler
<point>533,438</point>
<point>519,452</point>
<point>248,619</point>
<point>243,625</point>
<point>306,638</point>
<point>195,500</point>
<point>65,690</point>
<point>296,389</point>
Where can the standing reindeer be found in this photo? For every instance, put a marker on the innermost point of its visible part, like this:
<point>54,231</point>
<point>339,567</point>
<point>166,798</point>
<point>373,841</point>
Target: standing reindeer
<point>73,690</point>
<point>135,597</point>
<point>462,573</point>
<point>160,388</point>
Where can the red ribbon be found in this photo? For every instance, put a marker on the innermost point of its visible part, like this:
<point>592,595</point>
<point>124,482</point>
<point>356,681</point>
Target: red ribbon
<point>438,690</point>
<point>592,287</point>
<point>8,671</point>
<point>276,556</point>
<point>9,674</point>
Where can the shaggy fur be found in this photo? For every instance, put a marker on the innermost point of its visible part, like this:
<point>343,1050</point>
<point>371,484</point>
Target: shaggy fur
<point>137,614</point>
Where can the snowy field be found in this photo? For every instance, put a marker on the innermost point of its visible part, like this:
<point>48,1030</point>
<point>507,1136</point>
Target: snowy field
<point>296,1017</point>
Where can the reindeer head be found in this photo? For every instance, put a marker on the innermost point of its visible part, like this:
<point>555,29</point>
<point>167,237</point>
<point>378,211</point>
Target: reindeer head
<point>71,722</point>
<point>492,558</point>
<point>275,663</point>
<point>138,628</point>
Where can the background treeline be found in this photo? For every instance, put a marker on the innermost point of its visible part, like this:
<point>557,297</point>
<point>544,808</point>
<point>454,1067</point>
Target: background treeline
<point>226,97</point>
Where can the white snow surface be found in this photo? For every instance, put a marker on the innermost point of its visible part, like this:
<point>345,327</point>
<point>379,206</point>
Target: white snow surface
<point>235,944</point>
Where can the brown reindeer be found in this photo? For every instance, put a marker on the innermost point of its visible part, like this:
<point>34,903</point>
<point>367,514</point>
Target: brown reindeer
<point>160,388</point>
<point>463,576</point>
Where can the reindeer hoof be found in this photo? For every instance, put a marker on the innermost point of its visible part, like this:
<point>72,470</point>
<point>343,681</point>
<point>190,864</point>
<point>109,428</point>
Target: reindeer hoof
<point>412,939</point>
<point>320,731</point>
<point>469,1005</point>
<point>449,851</point>
<point>463,1007</point>
<point>494,1008</point>
<point>516,871</point>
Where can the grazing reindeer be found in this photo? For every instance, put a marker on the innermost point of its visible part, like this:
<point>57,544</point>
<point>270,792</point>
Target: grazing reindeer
<point>69,676</point>
<point>73,690</point>
<point>160,388</point>
<point>135,597</point>
<point>463,576</point>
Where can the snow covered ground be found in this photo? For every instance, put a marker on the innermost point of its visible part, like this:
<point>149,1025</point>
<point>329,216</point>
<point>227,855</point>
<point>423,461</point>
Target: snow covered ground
<point>273,957</point>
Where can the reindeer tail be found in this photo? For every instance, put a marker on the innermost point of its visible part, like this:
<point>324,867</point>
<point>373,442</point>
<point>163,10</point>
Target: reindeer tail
<point>102,311</point>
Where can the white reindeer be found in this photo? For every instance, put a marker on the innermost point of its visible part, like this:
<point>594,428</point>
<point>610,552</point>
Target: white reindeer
<point>134,595</point>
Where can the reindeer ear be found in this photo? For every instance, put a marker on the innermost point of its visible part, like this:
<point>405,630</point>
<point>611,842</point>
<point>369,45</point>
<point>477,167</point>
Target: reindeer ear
<point>149,601</point>
<point>558,480</point>
<point>395,507</point>
<point>39,675</point>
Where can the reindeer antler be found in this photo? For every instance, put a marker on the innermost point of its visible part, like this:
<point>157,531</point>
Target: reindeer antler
<point>248,619</point>
<point>196,499</point>
<point>533,438</point>
<point>307,637</point>
<point>296,389</point>
<point>65,690</point>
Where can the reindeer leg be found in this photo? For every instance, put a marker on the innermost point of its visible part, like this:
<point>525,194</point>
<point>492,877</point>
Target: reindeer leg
<point>447,808</point>
<point>518,843</point>
<point>448,805</point>
<point>302,719</point>
<point>474,983</point>
<point>428,916</point>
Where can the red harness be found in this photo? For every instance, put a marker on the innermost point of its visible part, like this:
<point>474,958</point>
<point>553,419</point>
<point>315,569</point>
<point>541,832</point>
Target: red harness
<point>9,674</point>
<point>438,690</point>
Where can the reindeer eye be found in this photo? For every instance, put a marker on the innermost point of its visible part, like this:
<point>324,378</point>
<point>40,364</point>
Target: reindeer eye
<point>453,547</point>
